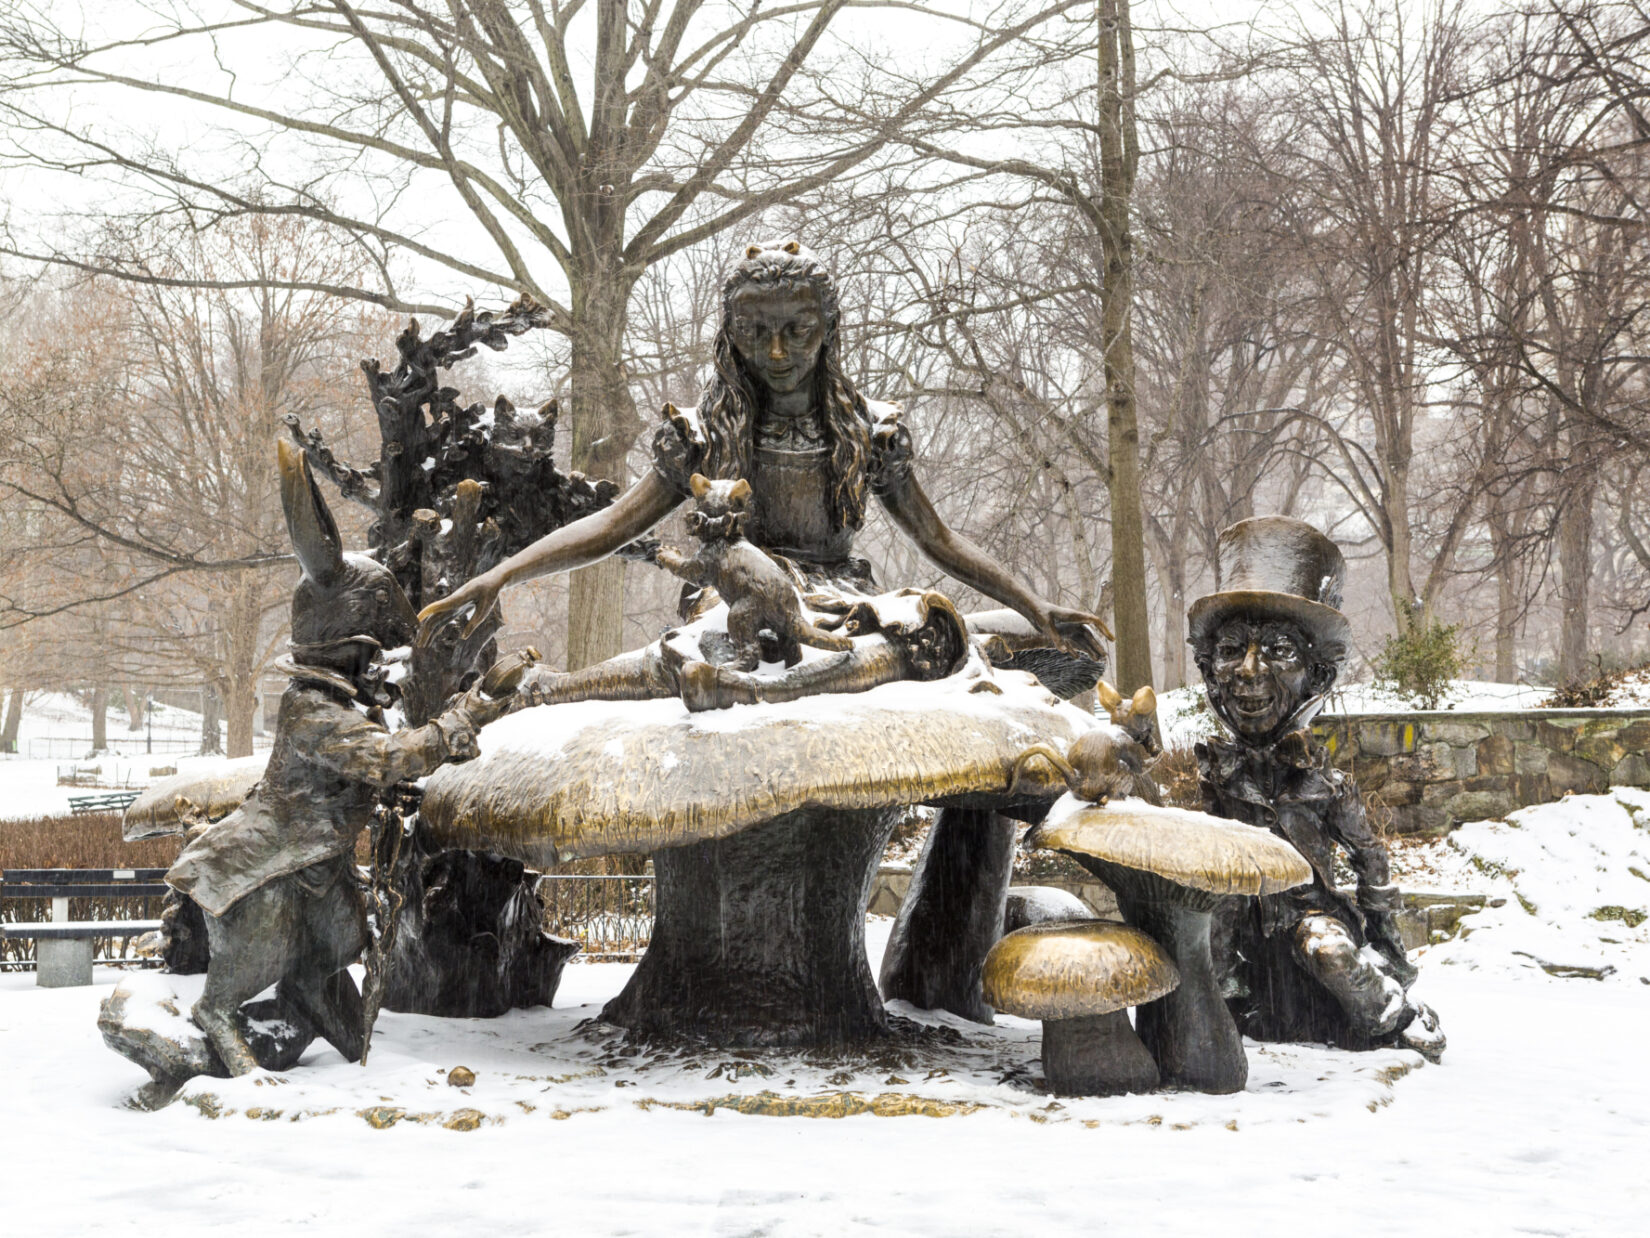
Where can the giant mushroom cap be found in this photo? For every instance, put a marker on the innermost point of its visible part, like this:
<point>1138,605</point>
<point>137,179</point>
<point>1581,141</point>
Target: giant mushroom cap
<point>1075,968</point>
<point>559,782</point>
<point>1207,857</point>
<point>207,792</point>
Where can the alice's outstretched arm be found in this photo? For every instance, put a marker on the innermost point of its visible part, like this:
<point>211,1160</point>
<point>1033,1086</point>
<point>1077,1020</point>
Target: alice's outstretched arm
<point>1071,630</point>
<point>585,541</point>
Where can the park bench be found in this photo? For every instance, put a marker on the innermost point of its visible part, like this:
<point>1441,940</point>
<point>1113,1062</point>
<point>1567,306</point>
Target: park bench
<point>108,801</point>
<point>63,947</point>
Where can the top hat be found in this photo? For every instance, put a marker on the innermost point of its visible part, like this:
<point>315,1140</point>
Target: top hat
<point>1276,567</point>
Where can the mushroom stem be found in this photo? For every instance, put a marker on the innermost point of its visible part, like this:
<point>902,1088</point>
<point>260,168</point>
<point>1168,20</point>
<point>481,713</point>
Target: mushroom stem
<point>1097,1055</point>
<point>1190,1031</point>
<point>952,915</point>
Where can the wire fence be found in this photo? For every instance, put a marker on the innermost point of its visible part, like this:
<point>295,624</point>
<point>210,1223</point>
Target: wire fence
<point>18,953</point>
<point>79,748</point>
<point>610,917</point>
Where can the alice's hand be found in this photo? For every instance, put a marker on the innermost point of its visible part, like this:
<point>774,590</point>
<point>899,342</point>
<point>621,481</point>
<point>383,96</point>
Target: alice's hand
<point>479,591</point>
<point>1073,631</point>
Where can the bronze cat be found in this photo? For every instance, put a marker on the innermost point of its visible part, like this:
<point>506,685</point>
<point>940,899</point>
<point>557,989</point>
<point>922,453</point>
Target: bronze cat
<point>765,620</point>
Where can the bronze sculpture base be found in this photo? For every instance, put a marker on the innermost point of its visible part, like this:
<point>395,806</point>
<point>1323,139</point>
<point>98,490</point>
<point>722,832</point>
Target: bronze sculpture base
<point>759,938</point>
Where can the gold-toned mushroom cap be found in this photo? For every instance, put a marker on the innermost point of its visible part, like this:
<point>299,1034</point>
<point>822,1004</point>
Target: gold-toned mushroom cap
<point>559,782</point>
<point>206,792</point>
<point>1075,968</point>
<point>1190,849</point>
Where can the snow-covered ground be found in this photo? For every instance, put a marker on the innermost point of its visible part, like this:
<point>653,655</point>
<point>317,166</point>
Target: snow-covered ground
<point>1536,1123</point>
<point>57,731</point>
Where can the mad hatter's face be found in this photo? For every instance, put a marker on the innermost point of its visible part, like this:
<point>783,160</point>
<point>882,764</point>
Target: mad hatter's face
<point>1258,675</point>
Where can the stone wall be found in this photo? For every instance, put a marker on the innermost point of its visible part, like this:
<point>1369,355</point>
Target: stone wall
<point>1433,769</point>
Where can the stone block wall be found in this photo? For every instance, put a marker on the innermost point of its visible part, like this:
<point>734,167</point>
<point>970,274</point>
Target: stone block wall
<point>1433,769</point>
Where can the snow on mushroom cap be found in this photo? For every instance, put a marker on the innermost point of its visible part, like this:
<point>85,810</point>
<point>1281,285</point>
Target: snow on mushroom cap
<point>206,792</point>
<point>1075,968</point>
<point>594,777</point>
<point>1190,849</point>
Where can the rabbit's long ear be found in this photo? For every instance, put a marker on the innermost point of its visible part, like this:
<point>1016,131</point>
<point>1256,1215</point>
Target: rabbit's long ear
<point>313,531</point>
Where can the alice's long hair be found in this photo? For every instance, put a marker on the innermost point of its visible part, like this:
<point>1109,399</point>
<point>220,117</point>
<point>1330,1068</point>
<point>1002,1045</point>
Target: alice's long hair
<point>729,404</point>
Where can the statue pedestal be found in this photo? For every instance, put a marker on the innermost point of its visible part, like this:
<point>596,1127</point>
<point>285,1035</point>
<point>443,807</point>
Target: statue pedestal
<point>760,937</point>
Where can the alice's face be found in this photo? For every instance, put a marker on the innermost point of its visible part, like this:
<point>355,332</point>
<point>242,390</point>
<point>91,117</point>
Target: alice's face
<point>778,333</point>
<point>1259,674</point>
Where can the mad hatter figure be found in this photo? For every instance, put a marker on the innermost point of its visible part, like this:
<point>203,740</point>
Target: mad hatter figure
<point>1316,963</point>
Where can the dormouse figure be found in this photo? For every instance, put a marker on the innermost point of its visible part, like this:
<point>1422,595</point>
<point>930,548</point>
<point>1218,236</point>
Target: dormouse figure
<point>1136,716</point>
<point>765,619</point>
<point>1108,762</point>
<point>1317,962</point>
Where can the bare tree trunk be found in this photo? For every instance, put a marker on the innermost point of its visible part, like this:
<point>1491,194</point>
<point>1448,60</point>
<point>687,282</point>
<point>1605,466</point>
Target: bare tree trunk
<point>14,720</point>
<point>239,709</point>
<point>605,425</point>
<point>134,708</point>
<point>100,718</point>
<point>1169,558</point>
<point>1575,546</point>
<point>1119,152</point>
<point>211,714</point>
<point>1506,602</point>
<point>241,667</point>
<point>1400,551</point>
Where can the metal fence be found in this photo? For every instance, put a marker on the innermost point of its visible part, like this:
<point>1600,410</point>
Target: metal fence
<point>611,917</point>
<point>18,953</point>
<point>72,748</point>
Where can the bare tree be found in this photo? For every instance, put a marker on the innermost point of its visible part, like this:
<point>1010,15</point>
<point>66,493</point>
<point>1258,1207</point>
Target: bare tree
<point>1371,102</point>
<point>688,121</point>
<point>150,493</point>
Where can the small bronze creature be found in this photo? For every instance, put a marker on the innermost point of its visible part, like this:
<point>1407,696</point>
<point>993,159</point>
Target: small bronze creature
<point>1104,764</point>
<point>765,619</point>
<point>275,877</point>
<point>1137,716</point>
<point>1315,962</point>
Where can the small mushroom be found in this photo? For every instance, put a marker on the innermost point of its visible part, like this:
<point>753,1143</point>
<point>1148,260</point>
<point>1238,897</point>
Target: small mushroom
<point>1080,977</point>
<point>1170,868</point>
<point>207,792</point>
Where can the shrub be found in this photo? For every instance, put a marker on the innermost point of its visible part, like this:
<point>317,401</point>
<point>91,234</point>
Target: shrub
<point>1420,661</point>
<point>78,842</point>
<point>1175,772</point>
<point>1613,676</point>
<point>91,841</point>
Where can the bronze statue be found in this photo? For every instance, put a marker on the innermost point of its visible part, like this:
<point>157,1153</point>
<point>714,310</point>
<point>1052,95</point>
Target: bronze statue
<point>765,620</point>
<point>1311,963</point>
<point>275,877</point>
<point>780,413</point>
<point>456,488</point>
